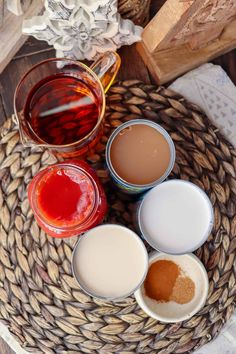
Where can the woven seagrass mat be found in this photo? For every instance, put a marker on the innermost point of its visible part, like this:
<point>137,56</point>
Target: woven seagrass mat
<point>39,300</point>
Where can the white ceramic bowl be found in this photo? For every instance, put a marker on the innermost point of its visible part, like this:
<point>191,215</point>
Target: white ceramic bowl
<point>175,217</point>
<point>171,311</point>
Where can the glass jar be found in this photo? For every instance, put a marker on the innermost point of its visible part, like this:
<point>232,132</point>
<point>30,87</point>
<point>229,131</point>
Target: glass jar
<point>67,199</point>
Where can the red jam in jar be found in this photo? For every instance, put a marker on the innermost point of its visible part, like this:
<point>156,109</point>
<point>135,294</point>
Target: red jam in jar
<point>67,199</point>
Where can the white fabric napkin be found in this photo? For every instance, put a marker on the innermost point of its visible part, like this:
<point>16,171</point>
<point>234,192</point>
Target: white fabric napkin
<point>211,89</point>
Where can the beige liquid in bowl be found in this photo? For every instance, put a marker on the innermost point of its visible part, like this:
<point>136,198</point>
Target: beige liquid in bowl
<point>110,261</point>
<point>140,154</point>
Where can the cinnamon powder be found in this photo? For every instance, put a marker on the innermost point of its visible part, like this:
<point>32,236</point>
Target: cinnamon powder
<point>165,282</point>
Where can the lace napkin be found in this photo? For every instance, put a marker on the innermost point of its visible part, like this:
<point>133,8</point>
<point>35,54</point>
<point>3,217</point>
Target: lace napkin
<point>211,89</point>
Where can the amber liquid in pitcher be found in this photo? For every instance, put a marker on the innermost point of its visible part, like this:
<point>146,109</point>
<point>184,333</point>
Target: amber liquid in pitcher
<point>61,110</point>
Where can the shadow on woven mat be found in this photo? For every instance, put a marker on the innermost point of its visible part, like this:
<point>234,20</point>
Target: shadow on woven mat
<point>39,300</point>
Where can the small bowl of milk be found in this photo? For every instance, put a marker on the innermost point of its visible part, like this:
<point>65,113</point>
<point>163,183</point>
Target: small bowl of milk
<point>110,262</point>
<point>175,217</point>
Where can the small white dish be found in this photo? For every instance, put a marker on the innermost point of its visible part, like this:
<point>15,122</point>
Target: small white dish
<point>171,311</point>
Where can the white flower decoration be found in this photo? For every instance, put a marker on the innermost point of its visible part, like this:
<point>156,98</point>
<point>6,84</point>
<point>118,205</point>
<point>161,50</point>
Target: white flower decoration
<point>82,29</point>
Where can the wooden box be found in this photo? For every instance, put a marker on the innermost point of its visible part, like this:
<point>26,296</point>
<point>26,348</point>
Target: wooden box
<point>12,14</point>
<point>187,33</point>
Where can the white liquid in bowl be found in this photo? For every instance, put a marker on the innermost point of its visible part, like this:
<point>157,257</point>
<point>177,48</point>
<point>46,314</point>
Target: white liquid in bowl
<point>176,217</point>
<point>110,261</point>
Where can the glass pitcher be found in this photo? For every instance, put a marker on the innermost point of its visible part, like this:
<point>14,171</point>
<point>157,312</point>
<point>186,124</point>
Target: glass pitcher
<point>60,103</point>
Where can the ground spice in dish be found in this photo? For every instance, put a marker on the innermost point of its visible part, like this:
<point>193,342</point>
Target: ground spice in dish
<point>165,282</point>
<point>161,279</point>
<point>183,291</point>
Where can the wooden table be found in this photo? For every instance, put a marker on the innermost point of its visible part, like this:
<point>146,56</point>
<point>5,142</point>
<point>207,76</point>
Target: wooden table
<point>34,51</point>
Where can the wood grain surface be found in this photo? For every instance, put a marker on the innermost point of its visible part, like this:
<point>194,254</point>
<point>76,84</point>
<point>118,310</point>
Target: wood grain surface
<point>11,38</point>
<point>34,51</point>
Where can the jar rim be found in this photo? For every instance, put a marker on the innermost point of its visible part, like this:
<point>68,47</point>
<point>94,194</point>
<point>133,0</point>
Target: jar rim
<point>36,208</point>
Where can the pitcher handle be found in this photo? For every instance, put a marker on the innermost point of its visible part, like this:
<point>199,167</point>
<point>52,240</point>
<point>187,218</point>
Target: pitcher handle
<point>106,68</point>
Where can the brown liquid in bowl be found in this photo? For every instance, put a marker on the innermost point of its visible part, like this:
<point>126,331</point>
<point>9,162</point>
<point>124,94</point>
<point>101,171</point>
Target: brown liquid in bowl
<point>140,154</point>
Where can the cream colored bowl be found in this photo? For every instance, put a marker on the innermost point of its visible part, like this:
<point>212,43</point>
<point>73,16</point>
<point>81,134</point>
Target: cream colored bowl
<point>171,311</point>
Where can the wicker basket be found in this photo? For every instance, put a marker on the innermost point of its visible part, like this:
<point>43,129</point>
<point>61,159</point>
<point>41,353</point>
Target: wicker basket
<point>135,10</point>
